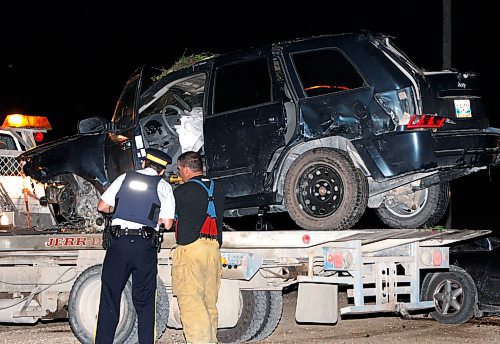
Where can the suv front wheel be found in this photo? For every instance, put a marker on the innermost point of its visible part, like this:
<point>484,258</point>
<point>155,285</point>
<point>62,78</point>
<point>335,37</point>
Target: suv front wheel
<point>324,191</point>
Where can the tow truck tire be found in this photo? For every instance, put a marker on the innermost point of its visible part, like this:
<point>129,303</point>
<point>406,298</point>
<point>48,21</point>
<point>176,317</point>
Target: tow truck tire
<point>83,306</point>
<point>454,294</point>
<point>273,316</point>
<point>254,307</point>
<point>432,208</point>
<point>323,190</point>
<point>162,308</point>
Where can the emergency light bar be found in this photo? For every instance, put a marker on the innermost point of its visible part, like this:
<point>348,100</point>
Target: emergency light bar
<point>26,122</point>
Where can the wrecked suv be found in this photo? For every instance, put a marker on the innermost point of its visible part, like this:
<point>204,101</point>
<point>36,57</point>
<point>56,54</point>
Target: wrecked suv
<point>320,128</point>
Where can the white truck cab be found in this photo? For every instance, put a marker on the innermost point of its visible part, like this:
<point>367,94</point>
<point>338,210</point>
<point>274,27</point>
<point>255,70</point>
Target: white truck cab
<point>20,195</point>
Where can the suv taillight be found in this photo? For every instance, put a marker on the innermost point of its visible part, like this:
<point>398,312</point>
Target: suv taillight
<point>425,121</point>
<point>398,104</point>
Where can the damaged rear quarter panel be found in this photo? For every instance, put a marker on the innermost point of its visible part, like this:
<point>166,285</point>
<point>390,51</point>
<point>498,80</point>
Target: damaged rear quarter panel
<point>329,115</point>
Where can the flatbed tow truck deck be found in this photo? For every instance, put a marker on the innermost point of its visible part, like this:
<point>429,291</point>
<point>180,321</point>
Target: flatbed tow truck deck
<point>57,275</point>
<point>29,240</point>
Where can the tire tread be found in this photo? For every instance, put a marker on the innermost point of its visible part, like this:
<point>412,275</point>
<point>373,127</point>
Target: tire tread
<point>355,191</point>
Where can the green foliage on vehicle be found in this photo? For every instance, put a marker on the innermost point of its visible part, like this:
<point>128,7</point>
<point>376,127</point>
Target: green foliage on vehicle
<point>183,62</point>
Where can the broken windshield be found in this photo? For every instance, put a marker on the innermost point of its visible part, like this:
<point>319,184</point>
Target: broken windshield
<point>185,94</point>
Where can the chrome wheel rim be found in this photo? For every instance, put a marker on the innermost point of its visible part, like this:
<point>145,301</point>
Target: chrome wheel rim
<point>449,297</point>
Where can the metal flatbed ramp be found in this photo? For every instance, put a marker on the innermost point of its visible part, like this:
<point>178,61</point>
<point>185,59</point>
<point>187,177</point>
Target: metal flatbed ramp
<point>425,237</point>
<point>305,239</point>
<point>371,239</point>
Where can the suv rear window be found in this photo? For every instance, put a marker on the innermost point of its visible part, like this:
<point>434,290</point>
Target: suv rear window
<point>242,85</point>
<point>326,71</point>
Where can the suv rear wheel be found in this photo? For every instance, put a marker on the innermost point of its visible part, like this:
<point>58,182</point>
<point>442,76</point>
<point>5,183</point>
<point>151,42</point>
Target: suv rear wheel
<point>324,191</point>
<point>422,208</point>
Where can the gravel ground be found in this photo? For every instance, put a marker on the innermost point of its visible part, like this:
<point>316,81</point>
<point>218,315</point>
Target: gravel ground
<point>379,329</point>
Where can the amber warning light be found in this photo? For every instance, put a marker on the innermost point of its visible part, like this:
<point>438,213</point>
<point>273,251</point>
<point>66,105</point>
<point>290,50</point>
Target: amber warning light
<point>26,122</point>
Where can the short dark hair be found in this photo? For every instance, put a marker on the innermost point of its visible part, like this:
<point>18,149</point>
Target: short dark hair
<point>192,160</point>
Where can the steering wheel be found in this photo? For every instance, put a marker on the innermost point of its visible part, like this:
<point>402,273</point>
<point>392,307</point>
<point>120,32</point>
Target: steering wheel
<point>182,102</point>
<point>170,120</point>
<point>154,130</point>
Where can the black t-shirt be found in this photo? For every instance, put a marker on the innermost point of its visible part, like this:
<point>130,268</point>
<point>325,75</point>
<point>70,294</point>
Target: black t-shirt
<point>191,202</point>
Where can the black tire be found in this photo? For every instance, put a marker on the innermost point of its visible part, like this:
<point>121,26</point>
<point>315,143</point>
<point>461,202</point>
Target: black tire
<point>83,306</point>
<point>162,308</point>
<point>433,204</point>
<point>84,302</point>
<point>254,305</point>
<point>454,294</point>
<point>273,315</point>
<point>324,191</point>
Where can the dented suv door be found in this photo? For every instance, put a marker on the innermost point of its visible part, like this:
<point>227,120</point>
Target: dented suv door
<point>245,124</point>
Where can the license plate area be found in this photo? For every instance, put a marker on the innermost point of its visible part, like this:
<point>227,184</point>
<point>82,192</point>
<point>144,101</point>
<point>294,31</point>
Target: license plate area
<point>462,108</point>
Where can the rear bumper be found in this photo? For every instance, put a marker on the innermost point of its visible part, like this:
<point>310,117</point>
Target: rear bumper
<point>399,153</point>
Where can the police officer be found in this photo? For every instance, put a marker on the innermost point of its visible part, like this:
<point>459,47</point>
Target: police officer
<point>140,201</point>
<point>196,266</point>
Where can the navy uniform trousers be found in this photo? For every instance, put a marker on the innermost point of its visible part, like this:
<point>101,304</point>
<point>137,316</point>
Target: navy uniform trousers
<point>128,255</point>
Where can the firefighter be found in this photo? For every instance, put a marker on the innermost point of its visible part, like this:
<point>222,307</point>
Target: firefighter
<point>140,201</point>
<point>196,269</point>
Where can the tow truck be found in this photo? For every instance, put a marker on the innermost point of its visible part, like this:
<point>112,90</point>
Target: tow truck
<point>57,275</point>
<point>19,194</point>
<point>51,272</point>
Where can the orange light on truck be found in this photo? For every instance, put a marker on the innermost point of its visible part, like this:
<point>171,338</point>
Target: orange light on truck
<point>27,122</point>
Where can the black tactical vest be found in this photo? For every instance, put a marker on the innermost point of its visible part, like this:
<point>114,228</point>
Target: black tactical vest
<point>137,200</point>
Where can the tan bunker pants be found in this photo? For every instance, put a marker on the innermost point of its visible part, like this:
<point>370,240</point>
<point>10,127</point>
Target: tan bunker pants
<point>196,273</point>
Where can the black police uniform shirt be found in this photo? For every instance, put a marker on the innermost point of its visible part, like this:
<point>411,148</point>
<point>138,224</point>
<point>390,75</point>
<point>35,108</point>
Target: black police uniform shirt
<point>191,201</point>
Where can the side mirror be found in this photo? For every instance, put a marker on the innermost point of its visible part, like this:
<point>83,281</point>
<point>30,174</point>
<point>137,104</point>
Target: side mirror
<point>93,125</point>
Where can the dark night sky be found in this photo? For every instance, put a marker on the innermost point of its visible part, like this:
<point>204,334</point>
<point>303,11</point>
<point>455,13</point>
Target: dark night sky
<point>69,59</point>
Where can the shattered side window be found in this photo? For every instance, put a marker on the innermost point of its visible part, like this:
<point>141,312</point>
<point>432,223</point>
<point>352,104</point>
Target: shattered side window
<point>124,115</point>
<point>242,85</point>
<point>326,71</point>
